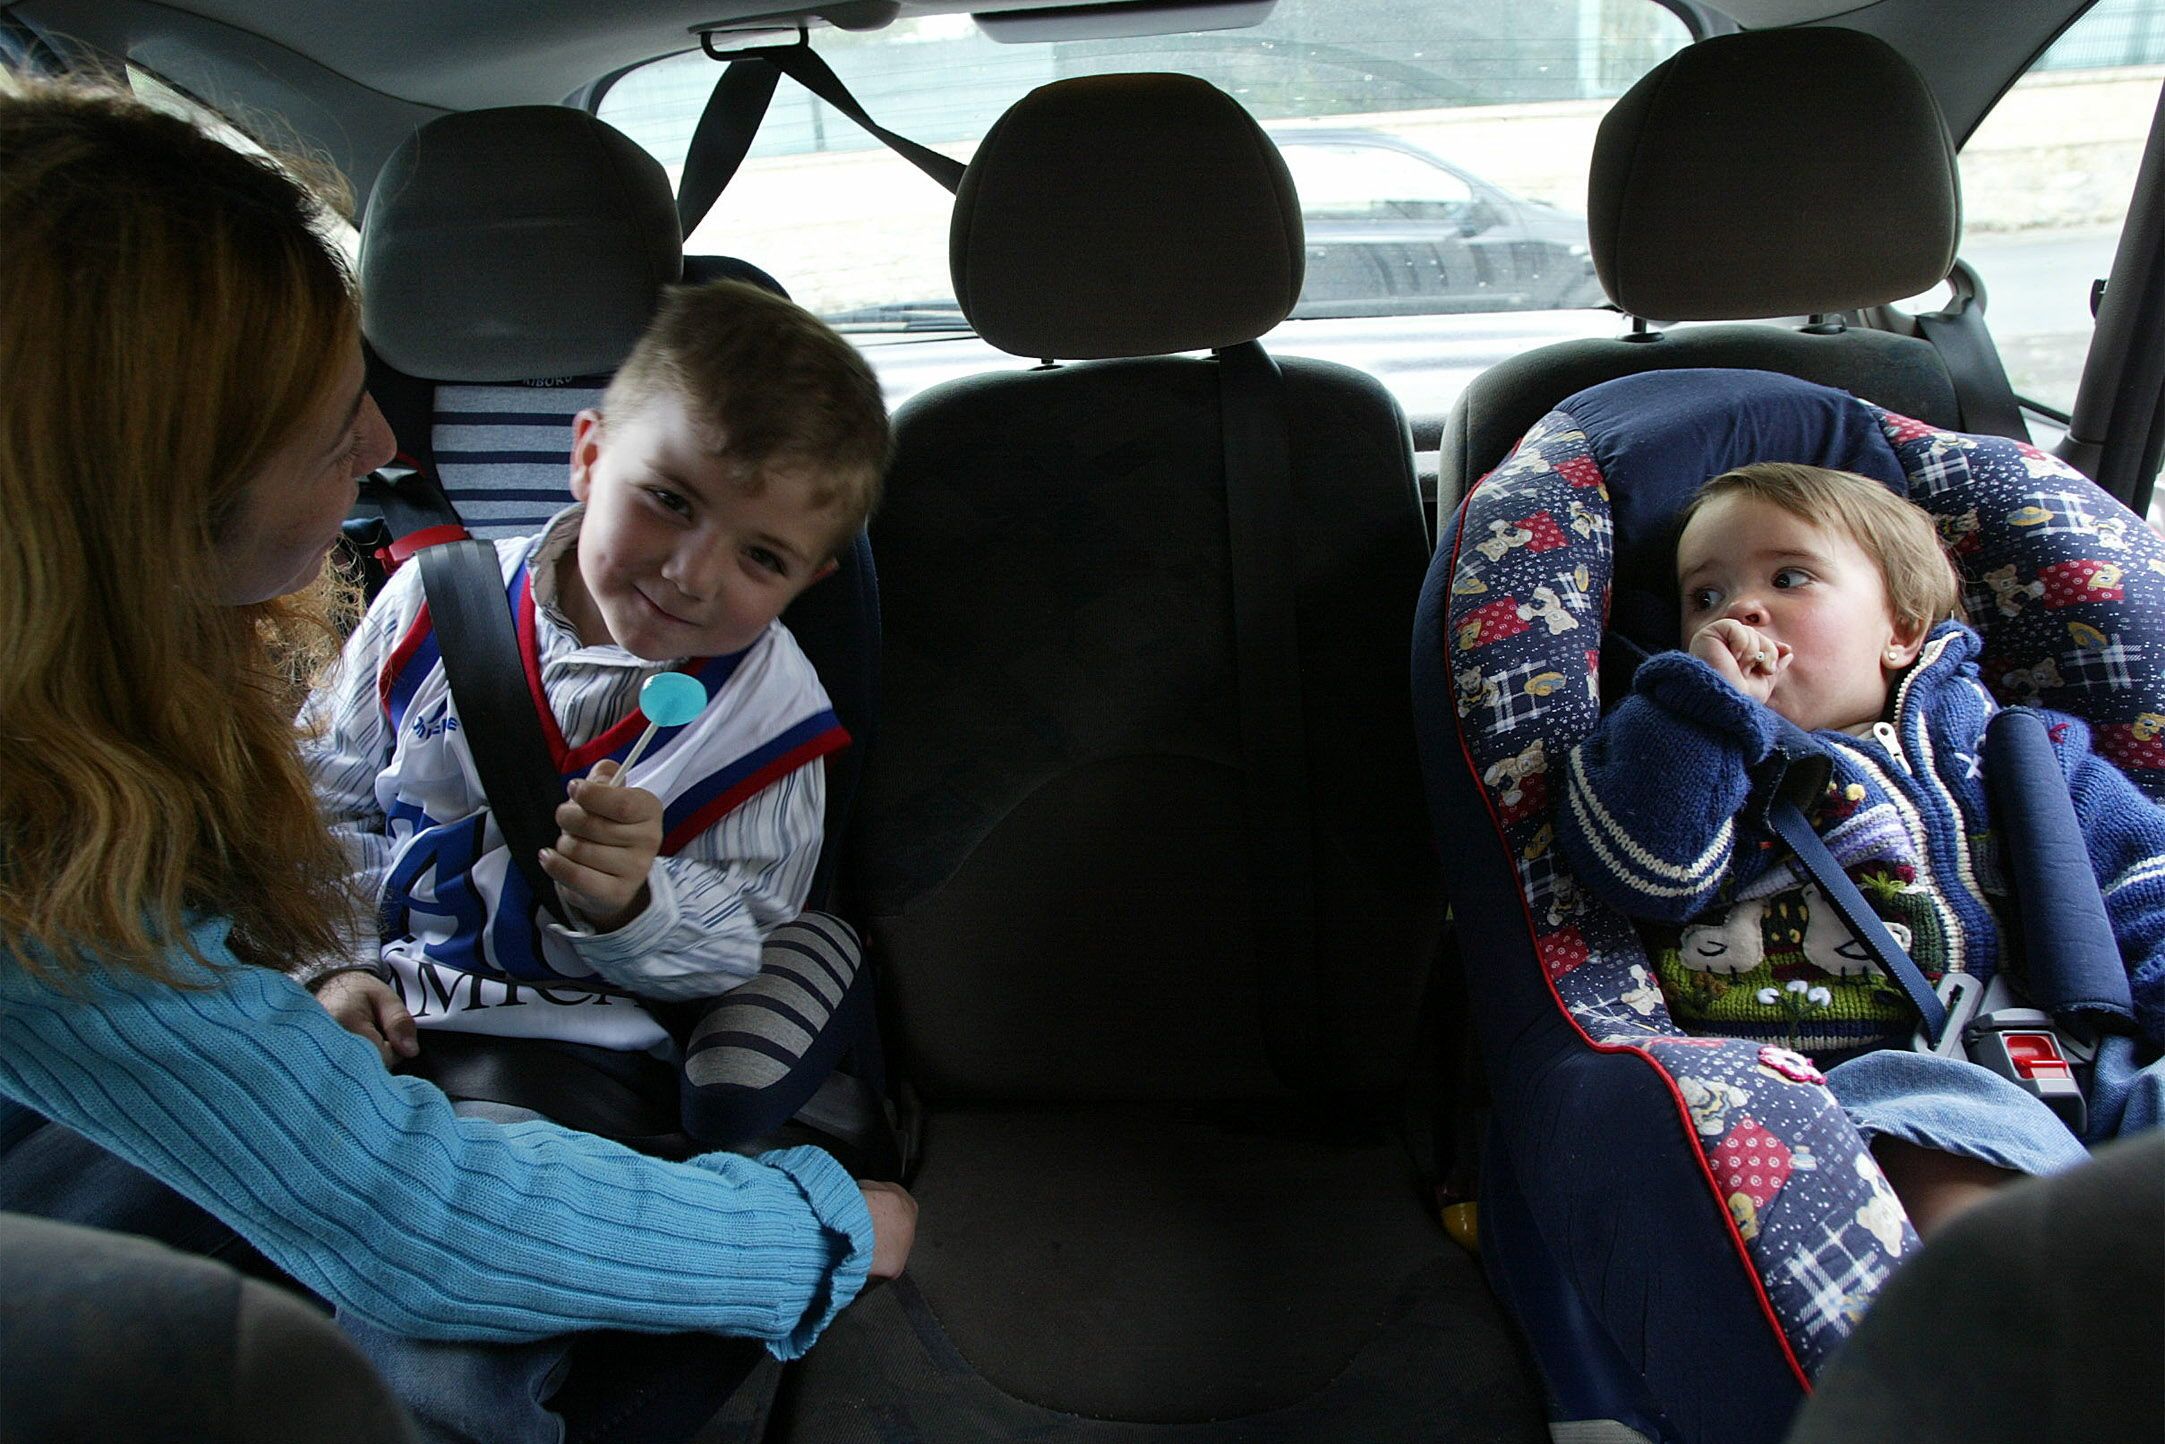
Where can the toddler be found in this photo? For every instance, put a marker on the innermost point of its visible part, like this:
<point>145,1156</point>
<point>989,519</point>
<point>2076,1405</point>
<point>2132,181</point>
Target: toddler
<point>1820,620</point>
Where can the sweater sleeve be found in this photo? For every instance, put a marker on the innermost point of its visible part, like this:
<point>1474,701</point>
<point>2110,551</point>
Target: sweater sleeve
<point>2124,832</point>
<point>241,1093</point>
<point>1654,798</point>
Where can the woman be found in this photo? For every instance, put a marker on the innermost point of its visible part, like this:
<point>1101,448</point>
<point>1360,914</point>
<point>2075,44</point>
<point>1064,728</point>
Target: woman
<point>184,424</point>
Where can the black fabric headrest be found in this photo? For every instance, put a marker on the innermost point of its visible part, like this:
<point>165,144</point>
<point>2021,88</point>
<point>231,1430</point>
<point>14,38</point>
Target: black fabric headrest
<point>1125,215</point>
<point>515,244</point>
<point>1773,173</point>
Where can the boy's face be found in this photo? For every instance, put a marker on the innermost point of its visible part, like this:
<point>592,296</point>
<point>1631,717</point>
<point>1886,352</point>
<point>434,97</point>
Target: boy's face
<point>675,558</point>
<point>1809,588</point>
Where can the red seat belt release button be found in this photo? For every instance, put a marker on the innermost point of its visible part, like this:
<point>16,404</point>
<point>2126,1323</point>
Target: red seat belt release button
<point>2037,1055</point>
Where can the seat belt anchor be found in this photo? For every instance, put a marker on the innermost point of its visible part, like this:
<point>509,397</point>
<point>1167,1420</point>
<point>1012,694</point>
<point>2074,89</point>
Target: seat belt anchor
<point>1962,995</point>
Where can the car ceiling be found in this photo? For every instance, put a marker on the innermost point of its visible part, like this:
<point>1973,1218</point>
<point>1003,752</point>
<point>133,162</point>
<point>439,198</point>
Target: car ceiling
<point>353,78</point>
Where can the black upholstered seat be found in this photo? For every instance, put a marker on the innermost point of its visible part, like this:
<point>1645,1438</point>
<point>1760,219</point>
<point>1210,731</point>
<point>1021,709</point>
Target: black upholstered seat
<point>1163,1174</point>
<point>1782,173</point>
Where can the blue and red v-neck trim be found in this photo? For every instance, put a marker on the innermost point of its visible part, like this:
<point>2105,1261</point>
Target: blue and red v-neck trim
<point>712,673</point>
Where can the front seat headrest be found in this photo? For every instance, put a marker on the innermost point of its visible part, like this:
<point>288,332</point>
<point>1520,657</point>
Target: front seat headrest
<point>1125,215</point>
<point>1773,173</point>
<point>507,245</point>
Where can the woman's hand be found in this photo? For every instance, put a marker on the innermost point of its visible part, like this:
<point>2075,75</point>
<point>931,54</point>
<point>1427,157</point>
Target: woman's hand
<point>1747,658</point>
<point>365,1006</point>
<point>894,1228</point>
<point>609,840</point>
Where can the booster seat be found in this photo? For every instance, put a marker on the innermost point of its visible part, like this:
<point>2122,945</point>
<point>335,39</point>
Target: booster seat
<point>1687,1227</point>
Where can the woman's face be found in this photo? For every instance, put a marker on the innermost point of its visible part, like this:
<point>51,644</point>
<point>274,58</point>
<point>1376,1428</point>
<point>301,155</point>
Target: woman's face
<point>290,510</point>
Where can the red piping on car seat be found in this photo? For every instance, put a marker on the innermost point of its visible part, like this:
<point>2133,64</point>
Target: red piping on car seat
<point>1683,1111</point>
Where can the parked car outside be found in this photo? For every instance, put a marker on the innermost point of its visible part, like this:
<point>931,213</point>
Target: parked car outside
<point>1397,230</point>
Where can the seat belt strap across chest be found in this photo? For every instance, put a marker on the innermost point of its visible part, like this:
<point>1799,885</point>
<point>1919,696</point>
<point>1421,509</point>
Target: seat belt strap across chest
<point>1864,924</point>
<point>465,588</point>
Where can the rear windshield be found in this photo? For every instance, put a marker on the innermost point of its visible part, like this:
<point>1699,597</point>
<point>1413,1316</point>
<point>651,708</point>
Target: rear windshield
<point>1440,151</point>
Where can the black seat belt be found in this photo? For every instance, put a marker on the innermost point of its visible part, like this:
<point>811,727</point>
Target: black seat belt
<point>465,586</point>
<point>1958,333</point>
<point>1266,654</point>
<point>723,137</point>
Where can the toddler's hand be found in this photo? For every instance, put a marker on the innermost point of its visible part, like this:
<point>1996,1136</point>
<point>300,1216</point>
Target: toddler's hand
<point>609,840</point>
<point>1746,658</point>
<point>365,1006</point>
<point>894,1228</point>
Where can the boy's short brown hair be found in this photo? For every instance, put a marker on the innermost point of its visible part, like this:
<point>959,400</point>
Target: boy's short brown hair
<point>775,385</point>
<point>1922,587</point>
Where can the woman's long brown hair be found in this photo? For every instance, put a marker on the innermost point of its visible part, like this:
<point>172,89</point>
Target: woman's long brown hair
<point>169,313</point>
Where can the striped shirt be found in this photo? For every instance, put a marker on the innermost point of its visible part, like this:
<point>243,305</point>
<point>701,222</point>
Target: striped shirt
<point>711,903</point>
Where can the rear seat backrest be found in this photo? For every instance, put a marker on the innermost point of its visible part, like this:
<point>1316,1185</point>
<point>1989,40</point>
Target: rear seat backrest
<point>1162,1167</point>
<point>1055,860</point>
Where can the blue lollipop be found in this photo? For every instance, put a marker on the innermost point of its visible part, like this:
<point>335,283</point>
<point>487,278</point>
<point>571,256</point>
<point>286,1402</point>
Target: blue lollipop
<point>667,699</point>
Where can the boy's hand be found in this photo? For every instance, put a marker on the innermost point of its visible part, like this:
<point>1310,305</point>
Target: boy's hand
<point>1746,658</point>
<point>365,1006</point>
<point>610,838</point>
<point>894,1228</point>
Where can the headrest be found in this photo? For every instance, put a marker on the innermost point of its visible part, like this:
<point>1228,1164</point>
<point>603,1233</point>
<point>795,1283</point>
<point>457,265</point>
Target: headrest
<point>1125,215</point>
<point>1773,173</point>
<point>515,244</point>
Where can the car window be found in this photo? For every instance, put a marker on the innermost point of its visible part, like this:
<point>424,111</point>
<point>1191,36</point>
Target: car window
<point>2046,180</point>
<point>1351,180</point>
<point>1441,151</point>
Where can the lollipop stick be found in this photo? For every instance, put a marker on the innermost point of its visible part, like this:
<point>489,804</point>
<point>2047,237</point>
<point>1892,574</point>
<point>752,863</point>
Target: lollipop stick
<point>667,699</point>
<point>633,755</point>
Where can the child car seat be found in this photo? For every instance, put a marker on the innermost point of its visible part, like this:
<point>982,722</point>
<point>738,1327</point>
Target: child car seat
<point>509,260</point>
<point>1687,1227</point>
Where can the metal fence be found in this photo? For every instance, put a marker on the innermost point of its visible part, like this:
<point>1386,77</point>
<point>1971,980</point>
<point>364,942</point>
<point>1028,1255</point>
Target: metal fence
<point>2115,32</point>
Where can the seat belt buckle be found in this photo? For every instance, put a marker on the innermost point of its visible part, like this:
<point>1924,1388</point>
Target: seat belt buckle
<point>1962,995</point>
<point>2023,1046</point>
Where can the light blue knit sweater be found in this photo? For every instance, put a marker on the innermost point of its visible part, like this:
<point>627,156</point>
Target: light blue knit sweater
<point>245,1096</point>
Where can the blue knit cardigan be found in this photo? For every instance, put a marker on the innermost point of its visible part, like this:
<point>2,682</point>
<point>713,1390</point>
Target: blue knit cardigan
<point>240,1092</point>
<point>1664,809</point>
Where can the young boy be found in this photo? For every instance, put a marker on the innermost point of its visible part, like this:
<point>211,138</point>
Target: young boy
<point>739,448</point>
<point>1818,612</point>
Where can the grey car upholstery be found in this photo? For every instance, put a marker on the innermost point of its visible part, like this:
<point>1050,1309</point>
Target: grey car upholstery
<point>1772,173</point>
<point>1136,1212</point>
<point>475,209</point>
<point>115,1338</point>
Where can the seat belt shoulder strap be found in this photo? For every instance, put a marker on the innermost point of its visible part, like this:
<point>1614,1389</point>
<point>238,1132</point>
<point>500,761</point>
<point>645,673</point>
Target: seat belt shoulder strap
<point>1864,924</point>
<point>465,588</point>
